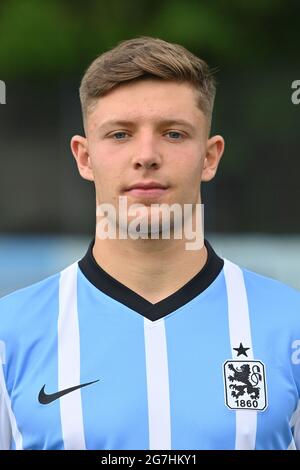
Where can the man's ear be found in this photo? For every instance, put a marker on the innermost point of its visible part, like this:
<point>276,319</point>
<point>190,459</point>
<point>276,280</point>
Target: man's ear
<point>79,147</point>
<point>214,152</point>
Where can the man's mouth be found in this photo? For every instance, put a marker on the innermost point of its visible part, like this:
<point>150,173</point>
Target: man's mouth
<point>146,189</point>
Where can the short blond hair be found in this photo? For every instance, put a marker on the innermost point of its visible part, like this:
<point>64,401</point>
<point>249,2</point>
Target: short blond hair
<point>146,57</point>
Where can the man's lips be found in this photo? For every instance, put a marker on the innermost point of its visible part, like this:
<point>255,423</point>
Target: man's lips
<point>149,192</point>
<point>148,189</point>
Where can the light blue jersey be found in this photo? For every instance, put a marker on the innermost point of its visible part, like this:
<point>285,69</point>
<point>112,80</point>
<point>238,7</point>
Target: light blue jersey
<point>86,363</point>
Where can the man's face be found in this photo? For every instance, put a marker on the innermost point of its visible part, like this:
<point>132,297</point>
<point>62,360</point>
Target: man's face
<point>148,134</point>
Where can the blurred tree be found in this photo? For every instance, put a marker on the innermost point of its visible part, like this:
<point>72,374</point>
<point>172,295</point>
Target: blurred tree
<point>42,38</point>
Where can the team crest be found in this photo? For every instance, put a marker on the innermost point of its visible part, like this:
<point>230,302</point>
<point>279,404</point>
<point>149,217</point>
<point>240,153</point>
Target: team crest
<point>245,385</point>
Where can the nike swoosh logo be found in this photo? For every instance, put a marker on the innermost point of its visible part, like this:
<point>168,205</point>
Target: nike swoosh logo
<point>45,398</point>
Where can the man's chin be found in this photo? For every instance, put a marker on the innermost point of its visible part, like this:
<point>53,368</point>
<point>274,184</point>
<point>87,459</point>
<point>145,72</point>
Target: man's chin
<point>151,224</point>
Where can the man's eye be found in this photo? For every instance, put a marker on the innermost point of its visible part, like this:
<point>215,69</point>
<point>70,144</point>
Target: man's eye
<point>174,135</point>
<point>119,135</point>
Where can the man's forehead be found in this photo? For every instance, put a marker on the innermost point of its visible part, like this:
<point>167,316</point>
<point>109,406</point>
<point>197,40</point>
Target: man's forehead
<point>151,102</point>
<point>150,93</point>
<point>188,116</point>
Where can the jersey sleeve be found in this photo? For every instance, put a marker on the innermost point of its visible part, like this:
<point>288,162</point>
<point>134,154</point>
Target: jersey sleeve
<point>297,433</point>
<point>295,426</point>
<point>5,424</point>
<point>295,361</point>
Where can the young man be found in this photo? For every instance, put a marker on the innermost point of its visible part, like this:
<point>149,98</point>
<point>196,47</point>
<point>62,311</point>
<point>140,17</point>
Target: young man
<point>146,343</point>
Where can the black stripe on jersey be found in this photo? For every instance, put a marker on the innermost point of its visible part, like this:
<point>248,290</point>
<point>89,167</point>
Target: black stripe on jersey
<point>118,291</point>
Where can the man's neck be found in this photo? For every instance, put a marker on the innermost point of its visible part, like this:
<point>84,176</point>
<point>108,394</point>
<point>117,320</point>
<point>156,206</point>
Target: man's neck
<point>154,269</point>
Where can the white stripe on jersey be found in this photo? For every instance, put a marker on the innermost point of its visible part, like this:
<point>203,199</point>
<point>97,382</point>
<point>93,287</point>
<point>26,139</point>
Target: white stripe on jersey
<point>295,423</point>
<point>240,332</point>
<point>292,445</point>
<point>69,353</point>
<point>8,421</point>
<point>157,385</point>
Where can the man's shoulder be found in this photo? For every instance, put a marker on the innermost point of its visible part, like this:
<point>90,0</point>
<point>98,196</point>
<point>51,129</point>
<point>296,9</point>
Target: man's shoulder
<point>21,306</point>
<point>27,292</point>
<point>272,295</point>
<point>269,284</point>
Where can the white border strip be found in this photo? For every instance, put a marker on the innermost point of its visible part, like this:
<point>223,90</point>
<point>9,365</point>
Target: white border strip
<point>295,423</point>
<point>69,361</point>
<point>240,332</point>
<point>157,385</point>
<point>10,420</point>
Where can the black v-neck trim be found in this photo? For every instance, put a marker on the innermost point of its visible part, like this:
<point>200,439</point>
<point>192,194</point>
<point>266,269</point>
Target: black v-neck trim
<point>123,294</point>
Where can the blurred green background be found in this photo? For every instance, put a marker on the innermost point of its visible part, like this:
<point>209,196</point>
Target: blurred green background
<point>45,48</point>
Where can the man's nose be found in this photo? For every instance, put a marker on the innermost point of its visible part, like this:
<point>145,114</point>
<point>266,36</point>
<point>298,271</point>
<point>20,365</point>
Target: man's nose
<point>147,154</point>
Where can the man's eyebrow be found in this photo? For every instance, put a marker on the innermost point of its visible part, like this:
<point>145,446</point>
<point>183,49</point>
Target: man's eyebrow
<point>159,123</point>
<point>115,123</point>
<point>177,122</point>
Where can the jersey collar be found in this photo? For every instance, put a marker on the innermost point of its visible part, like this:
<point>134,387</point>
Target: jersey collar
<point>118,291</point>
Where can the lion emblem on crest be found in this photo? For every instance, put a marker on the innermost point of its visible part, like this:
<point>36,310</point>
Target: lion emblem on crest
<point>242,374</point>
